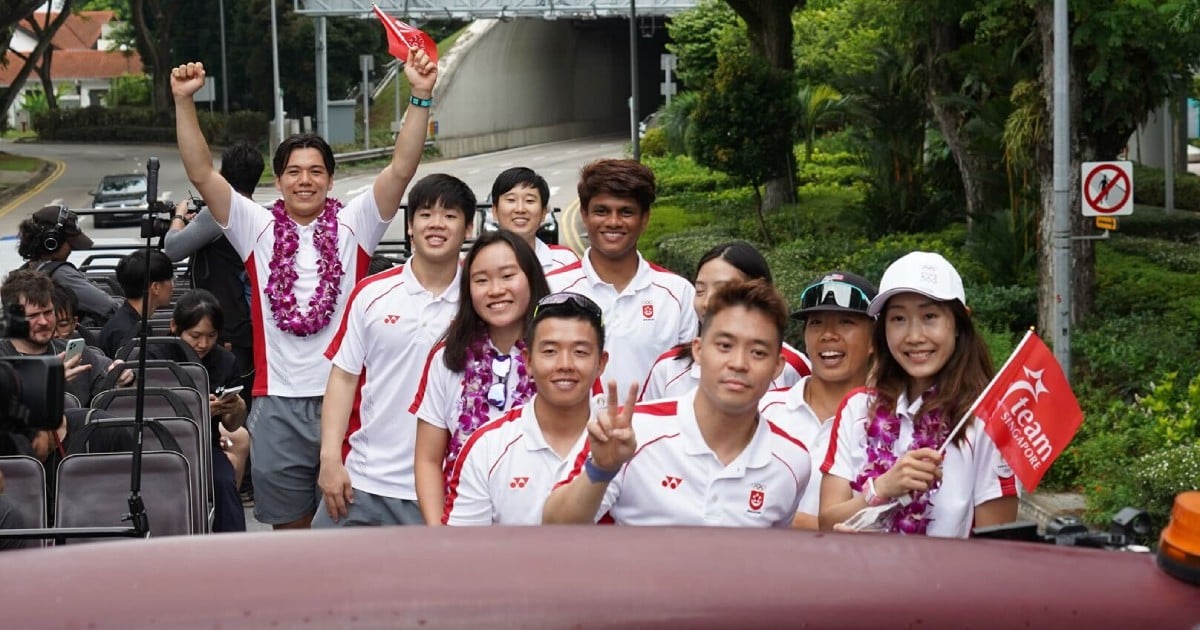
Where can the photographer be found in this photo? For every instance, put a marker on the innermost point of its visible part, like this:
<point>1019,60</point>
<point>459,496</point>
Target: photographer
<point>34,291</point>
<point>215,265</point>
<point>47,238</point>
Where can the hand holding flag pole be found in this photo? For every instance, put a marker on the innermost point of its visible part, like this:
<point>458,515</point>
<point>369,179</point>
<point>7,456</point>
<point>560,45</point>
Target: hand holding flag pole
<point>1030,413</point>
<point>402,38</point>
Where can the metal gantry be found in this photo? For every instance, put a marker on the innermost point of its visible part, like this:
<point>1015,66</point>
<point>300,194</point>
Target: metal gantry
<point>502,9</point>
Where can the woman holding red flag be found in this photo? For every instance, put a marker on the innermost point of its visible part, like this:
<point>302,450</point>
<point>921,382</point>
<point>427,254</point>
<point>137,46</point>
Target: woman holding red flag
<point>887,441</point>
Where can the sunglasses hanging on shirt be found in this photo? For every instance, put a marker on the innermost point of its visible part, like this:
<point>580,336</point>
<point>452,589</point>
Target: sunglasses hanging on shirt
<point>497,395</point>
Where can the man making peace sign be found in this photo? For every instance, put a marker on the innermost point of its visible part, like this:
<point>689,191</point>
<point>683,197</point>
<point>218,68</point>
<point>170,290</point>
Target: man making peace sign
<point>705,458</point>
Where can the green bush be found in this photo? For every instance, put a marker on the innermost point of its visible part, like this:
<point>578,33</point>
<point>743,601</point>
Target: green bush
<point>1000,343</point>
<point>678,173</point>
<point>842,168</point>
<point>1161,475</point>
<point>1151,222</point>
<point>874,258</point>
<point>1011,308</point>
<point>1134,285</point>
<point>679,252</point>
<point>1122,354</point>
<point>1171,255</point>
<point>246,125</point>
<point>1150,186</point>
<point>654,142</point>
<point>123,124</point>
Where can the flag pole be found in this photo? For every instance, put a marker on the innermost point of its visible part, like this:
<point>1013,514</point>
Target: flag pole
<point>971,409</point>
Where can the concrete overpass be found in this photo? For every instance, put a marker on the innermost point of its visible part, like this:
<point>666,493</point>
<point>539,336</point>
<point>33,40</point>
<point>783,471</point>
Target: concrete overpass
<point>530,71</point>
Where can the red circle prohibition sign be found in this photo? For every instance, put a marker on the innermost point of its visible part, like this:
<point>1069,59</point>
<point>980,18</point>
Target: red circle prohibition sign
<point>1116,176</point>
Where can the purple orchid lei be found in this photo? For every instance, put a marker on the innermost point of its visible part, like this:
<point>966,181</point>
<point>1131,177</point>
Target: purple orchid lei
<point>281,282</point>
<point>929,431</point>
<point>477,379</point>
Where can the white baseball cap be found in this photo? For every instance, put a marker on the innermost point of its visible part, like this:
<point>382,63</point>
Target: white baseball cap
<point>926,273</point>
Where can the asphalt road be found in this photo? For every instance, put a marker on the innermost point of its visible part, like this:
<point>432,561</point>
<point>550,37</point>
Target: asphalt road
<point>80,168</point>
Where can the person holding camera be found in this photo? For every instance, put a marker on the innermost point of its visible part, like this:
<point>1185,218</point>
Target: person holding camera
<point>215,265</point>
<point>34,292</point>
<point>47,238</point>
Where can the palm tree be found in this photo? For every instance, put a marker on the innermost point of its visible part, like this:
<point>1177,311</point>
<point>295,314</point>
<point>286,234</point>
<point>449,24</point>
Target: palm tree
<point>818,106</point>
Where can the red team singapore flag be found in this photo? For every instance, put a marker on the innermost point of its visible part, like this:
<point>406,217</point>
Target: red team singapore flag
<point>1029,411</point>
<point>401,37</point>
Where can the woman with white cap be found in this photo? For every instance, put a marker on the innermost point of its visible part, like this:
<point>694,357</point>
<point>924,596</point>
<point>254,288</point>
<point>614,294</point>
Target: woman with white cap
<point>886,441</point>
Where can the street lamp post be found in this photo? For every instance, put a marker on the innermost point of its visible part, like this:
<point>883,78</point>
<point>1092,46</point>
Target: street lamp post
<point>224,68</point>
<point>275,77</point>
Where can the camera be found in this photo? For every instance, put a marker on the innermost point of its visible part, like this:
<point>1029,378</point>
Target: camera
<point>13,323</point>
<point>153,224</point>
<point>1126,529</point>
<point>195,204</point>
<point>31,388</point>
<point>31,394</point>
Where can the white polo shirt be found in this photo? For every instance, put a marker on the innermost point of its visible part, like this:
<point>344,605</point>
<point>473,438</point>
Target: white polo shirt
<point>787,409</point>
<point>674,478</point>
<point>651,315</point>
<point>972,474</point>
<point>553,256</point>
<point>673,376</point>
<point>284,364</point>
<point>439,398</point>
<point>390,325</point>
<point>505,472</point>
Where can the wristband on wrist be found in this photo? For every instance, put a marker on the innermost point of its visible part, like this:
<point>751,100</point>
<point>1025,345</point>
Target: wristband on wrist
<point>597,475</point>
<point>873,499</point>
<point>180,217</point>
<point>420,102</point>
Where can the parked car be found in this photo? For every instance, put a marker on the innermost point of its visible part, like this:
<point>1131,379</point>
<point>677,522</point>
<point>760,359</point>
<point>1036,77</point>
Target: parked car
<point>119,191</point>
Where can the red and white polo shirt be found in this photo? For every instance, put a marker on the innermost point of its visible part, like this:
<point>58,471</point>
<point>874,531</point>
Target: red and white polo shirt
<point>972,474</point>
<point>553,256</point>
<point>651,315</point>
<point>673,376</point>
<point>505,472</point>
<point>390,325</point>
<point>787,409</point>
<point>284,364</point>
<point>439,397</point>
<point>674,478</point>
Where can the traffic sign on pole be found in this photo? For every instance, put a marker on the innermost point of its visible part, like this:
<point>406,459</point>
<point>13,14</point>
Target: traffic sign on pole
<point>1107,188</point>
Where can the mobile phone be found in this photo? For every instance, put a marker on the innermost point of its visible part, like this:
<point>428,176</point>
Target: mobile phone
<point>229,392</point>
<point>74,349</point>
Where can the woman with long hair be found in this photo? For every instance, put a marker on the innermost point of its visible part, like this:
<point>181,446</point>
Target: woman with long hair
<point>675,372</point>
<point>197,320</point>
<point>886,444</point>
<point>477,372</point>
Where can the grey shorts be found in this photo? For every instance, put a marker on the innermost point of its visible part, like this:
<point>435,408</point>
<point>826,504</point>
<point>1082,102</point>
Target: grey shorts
<point>372,510</point>
<point>285,451</point>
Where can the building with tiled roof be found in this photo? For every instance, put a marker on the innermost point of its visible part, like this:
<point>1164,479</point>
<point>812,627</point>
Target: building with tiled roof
<point>81,60</point>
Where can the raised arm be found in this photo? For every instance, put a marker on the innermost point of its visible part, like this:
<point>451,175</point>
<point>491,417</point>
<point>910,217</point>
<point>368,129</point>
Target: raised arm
<point>185,238</point>
<point>193,149</point>
<point>391,183</point>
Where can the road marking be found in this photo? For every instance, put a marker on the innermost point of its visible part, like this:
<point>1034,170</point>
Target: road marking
<point>567,228</point>
<point>59,169</point>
